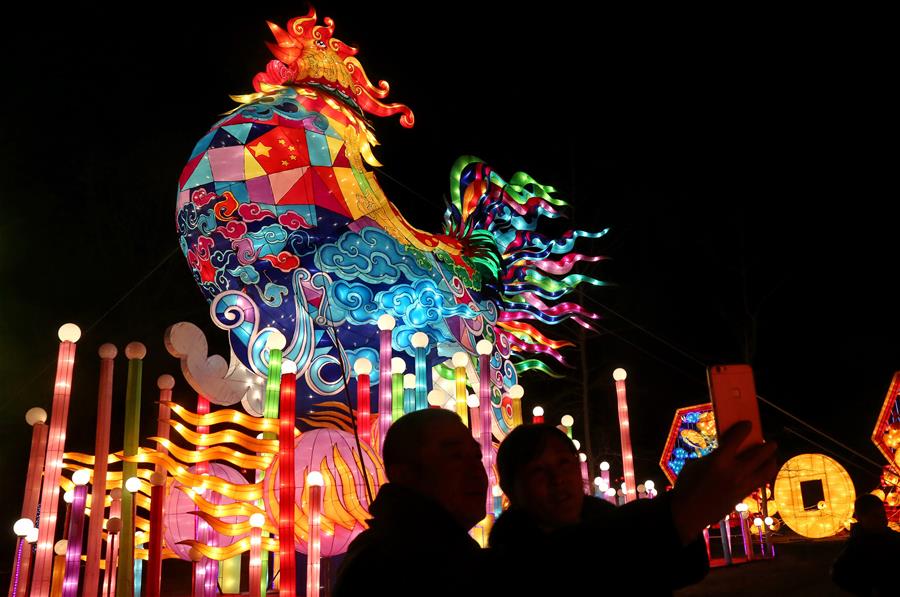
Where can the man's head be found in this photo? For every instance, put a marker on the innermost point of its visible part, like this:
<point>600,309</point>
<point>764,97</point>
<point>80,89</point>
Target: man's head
<point>430,451</point>
<point>869,513</point>
<point>540,474</point>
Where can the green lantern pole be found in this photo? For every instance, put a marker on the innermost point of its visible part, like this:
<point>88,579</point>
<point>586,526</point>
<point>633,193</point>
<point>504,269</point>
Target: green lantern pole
<point>275,343</point>
<point>125,584</point>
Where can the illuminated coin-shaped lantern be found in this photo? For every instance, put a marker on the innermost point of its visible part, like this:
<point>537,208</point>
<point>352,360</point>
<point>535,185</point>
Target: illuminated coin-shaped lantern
<point>180,520</point>
<point>815,495</point>
<point>345,498</point>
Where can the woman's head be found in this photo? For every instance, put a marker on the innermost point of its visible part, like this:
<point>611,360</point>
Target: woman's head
<point>540,474</point>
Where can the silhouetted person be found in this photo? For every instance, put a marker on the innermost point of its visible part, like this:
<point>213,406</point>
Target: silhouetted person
<point>418,542</point>
<point>868,563</point>
<point>566,542</point>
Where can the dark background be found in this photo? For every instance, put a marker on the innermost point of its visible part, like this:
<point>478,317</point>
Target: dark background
<point>739,160</point>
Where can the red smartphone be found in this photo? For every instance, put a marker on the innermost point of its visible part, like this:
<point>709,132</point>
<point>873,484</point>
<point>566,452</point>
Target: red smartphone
<point>733,396</point>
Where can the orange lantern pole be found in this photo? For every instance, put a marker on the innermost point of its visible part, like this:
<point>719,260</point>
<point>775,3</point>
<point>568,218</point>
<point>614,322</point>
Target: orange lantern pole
<point>619,376</point>
<point>257,521</point>
<point>37,418</point>
<point>56,440</point>
<point>101,453</point>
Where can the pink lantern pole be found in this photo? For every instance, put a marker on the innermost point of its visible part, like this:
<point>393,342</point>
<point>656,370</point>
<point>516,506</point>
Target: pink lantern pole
<point>619,376</point>
<point>113,528</point>
<point>43,561</point>
<point>37,418</point>
<point>314,483</point>
<point>604,474</point>
<point>101,453</point>
<point>165,383</point>
<point>386,325</point>
<point>484,348</point>
<point>257,520</point>
<point>363,367</point>
<point>585,477</point>
<point>287,486</point>
<point>76,532</point>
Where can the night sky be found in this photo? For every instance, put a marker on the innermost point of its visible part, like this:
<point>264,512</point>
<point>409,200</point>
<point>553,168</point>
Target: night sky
<point>739,167</point>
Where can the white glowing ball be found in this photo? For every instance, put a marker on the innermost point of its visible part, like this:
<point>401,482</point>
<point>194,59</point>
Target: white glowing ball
<point>23,526</point>
<point>460,359</point>
<point>135,351</point>
<point>598,481</point>
<point>582,457</point>
<point>69,497</point>
<point>577,444</point>
<point>69,332</point>
<point>472,401</point>
<point>409,381</point>
<point>257,520</point>
<point>604,466</point>
<point>624,487</point>
<point>516,392</point>
<point>133,484</point>
<point>567,421</point>
<point>315,479</point>
<point>419,340</point>
<point>276,341</point>
<point>437,397</point>
<point>768,520</point>
<point>386,322</point>
<point>641,488</point>
<point>538,411</point>
<point>398,365</point>
<point>35,415</point>
<point>81,477</point>
<point>484,347</point>
<point>362,366</point>
<point>649,484</point>
<point>288,367</point>
<point>60,548</point>
<point>32,535</point>
<point>620,374</point>
<point>742,507</point>
<point>610,492</point>
<point>757,522</point>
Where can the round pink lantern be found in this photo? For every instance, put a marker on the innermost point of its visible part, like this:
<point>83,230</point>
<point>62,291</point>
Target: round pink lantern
<point>179,509</point>
<point>345,499</point>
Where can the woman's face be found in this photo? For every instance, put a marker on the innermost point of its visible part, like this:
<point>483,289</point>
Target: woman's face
<point>550,488</point>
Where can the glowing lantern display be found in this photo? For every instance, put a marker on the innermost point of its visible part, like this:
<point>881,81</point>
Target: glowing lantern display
<point>692,435</point>
<point>345,497</point>
<point>179,509</point>
<point>815,495</point>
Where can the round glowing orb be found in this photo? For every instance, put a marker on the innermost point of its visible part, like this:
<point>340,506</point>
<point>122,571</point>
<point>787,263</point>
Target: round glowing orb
<point>69,332</point>
<point>817,520</point>
<point>60,548</point>
<point>604,466</point>
<point>577,444</point>
<point>386,322</point>
<point>620,374</point>
<point>650,485</point>
<point>35,415</point>
<point>567,421</point>
<point>484,347</point>
<point>516,392</point>
<point>69,497</point>
<point>398,366</point>
<point>32,536</point>
<point>460,359</point>
<point>362,366</point>
<point>133,484</point>
<point>419,340</point>
<point>23,526</point>
<point>538,411</point>
<point>257,520</point>
<point>276,341</point>
<point>81,477</point>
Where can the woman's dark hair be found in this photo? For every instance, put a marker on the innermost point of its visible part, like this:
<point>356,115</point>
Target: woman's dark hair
<point>521,446</point>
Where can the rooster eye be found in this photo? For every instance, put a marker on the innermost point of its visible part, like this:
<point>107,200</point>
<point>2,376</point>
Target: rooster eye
<point>320,43</point>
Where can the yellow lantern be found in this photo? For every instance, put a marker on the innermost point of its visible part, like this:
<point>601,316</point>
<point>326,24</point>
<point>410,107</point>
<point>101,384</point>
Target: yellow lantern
<point>825,517</point>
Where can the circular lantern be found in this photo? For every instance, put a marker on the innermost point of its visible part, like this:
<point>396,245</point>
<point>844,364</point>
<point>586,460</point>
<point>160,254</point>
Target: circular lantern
<point>822,518</point>
<point>345,499</point>
<point>180,520</point>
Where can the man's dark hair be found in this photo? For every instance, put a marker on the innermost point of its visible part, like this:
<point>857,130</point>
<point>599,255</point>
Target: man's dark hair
<point>867,504</point>
<point>521,446</point>
<point>406,435</point>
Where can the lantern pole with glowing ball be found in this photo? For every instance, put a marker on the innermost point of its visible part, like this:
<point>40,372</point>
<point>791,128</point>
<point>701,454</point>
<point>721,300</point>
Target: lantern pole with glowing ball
<point>362,367</point>
<point>107,354</point>
<point>276,343</point>
<point>420,343</point>
<point>460,360</point>
<point>59,568</point>
<point>37,418</point>
<point>21,528</point>
<point>56,440</point>
<point>409,393</point>
<point>398,367</point>
<point>515,393</point>
<point>165,383</point>
<point>567,421</point>
<point>257,520</point>
<point>287,586</point>
<point>537,414</point>
<point>619,375</point>
<point>76,532</point>
<point>386,325</point>
<point>205,570</point>
<point>113,528</point>
<point>474,417</point>
<point>314,484</point>
<point>437,398</point>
